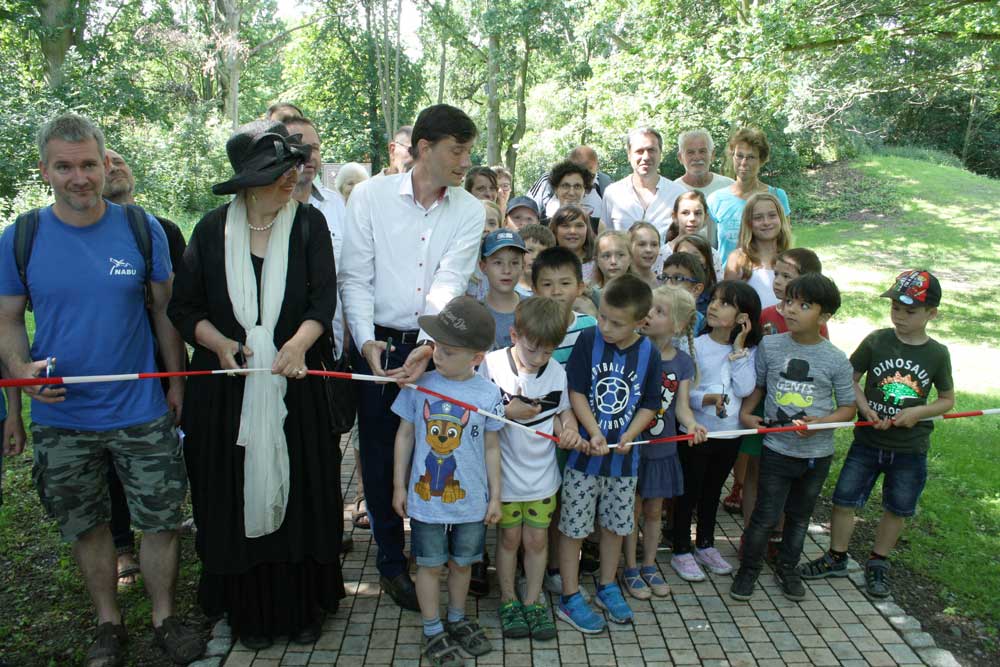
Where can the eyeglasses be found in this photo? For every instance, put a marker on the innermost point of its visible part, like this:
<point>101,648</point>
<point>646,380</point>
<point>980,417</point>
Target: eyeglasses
<point>677,280</point>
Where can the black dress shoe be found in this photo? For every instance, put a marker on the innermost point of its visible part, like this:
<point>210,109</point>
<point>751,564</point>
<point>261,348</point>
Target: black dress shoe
<point>311,633</point>
<point>401,590</point>
<point>256,643</point>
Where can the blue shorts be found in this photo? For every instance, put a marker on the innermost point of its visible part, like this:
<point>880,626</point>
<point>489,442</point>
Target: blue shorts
<point>434,544</point>
<point>905,477</point>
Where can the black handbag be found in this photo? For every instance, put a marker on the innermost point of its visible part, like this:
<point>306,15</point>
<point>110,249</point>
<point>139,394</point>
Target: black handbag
<point>341,395</point>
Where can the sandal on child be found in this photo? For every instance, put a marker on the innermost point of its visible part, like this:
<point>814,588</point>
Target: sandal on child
<point>633,583</point>
<point>470,636</point>
<point>359,517</point>
<point>733,503</point>
<point>657,584</point>
<point>441,651</point>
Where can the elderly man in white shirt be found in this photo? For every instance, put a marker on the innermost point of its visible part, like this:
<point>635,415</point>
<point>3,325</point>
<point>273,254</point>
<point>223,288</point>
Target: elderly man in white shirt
<point>310,190</point>
<point>696,151</point>
<point>644,194</point>
<point>410,246</point>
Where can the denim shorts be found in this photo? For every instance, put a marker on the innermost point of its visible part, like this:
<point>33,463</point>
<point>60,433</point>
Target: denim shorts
<point>434,544</point>
<point>905,477</point>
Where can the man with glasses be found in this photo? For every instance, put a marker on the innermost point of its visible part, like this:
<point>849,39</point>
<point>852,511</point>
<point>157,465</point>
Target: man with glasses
<point>400,159</point>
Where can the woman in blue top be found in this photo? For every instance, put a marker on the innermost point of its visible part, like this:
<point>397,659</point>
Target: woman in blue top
<point>748,150</point>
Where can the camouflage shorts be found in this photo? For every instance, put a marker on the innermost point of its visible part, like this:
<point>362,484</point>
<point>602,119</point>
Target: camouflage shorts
<point>71,467</point>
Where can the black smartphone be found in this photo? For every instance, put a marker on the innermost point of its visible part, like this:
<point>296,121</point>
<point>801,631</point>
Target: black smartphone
<point>239,357</point>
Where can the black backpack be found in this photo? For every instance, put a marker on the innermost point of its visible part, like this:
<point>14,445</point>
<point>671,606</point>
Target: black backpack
<point>26,227</point>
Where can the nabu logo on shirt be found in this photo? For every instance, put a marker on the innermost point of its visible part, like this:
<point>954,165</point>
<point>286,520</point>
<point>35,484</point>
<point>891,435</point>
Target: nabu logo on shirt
<point>119,267</point>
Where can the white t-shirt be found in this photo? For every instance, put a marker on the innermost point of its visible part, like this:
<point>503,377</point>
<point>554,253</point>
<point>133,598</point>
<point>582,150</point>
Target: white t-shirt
<point>623,208</point>
<point>528,466</point>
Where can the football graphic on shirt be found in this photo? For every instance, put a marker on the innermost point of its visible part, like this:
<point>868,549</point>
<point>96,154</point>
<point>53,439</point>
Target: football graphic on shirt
<point>668,388</point>
<point>611,395</point>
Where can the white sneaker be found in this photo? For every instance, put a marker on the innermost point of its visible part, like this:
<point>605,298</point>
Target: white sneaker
<point>713,560</point>
<point>687,567</point>
<point>553,584</point>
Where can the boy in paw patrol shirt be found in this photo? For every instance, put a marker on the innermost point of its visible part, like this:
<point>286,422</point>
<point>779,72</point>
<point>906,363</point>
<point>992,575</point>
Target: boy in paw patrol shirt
<point>447,470</point>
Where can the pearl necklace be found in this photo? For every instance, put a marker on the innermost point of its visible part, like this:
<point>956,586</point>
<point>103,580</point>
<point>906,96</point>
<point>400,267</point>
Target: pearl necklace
<point>261,229</point>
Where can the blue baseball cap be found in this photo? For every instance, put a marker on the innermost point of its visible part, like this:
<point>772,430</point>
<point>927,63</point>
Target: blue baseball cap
<point>502,238</point>
<point>526,202</point>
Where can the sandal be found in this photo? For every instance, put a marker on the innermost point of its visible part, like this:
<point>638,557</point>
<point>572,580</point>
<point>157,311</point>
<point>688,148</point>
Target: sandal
<point>733,503</point>
<point>106,651</point>
<point>655,581</point>
<point>470,636</point>
<point>181,644</point>
<point>127,574</point>
<point>359,517</point>
<point>633,583</point>
<point>441,651</point>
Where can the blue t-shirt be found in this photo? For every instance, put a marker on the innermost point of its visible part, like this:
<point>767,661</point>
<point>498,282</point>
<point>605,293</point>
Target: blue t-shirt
<point>727,211</point>
<point>617,383</point>
<point>87,286</point>
<point>448,482</point>
<point>664,424</point>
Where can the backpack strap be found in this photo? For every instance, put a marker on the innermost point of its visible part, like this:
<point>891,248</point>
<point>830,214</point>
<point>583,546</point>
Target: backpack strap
<point>25,229</point>
<point>138,222</point>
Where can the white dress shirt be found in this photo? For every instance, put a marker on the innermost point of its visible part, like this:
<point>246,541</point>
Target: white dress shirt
<point>623,207</point>
<point>401,260</point>
<point>331,205</point>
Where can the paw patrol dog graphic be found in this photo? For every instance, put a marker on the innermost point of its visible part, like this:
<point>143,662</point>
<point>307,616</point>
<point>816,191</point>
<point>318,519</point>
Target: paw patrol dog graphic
<point>445,423</point>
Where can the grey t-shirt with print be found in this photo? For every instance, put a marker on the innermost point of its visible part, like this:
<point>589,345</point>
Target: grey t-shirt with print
<point>802,381</point>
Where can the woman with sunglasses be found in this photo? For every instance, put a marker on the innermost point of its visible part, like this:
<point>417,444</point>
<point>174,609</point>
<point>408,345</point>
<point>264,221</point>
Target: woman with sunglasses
<point>257,289</point>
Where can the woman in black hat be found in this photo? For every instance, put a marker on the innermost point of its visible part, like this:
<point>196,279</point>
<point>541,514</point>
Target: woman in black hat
<point>257,290</point>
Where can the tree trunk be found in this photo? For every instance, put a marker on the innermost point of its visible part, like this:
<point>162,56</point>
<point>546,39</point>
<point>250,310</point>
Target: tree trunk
<point>62,22</point>
<point>492,102</point>
<point>522,109</point>
<point>232,13</point>
<point>444,56</point>
<point>970,131</point>
<point>376,145</point>
<point>395,73</point>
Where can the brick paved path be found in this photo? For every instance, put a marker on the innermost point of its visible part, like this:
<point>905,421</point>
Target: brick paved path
<point>835,625</point>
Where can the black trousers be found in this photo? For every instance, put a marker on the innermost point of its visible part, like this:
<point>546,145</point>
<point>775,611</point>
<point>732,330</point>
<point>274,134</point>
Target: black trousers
<point>705,467</point>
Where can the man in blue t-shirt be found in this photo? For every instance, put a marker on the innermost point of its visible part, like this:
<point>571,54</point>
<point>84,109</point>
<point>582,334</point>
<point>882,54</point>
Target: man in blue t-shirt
<point>86,277</point>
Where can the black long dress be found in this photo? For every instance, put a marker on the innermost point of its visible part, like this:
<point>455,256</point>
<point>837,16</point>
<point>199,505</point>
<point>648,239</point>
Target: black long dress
<point>280,583</point>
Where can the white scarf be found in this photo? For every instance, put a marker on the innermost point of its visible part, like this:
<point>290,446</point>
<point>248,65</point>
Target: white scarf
<point>262,420</point>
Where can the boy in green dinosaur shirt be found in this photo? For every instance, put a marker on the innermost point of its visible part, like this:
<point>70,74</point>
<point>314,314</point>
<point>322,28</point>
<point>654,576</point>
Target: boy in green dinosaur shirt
<point>899,366</point>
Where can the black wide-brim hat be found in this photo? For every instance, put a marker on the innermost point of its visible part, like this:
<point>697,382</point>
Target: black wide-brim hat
<point>260,152</point>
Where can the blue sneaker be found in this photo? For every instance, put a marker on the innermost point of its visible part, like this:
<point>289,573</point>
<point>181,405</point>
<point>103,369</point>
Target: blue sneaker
<point>578,613</point>
<point>610,600</point>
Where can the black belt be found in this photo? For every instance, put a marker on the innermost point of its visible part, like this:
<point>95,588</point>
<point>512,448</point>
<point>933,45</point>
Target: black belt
<point>407,337</point>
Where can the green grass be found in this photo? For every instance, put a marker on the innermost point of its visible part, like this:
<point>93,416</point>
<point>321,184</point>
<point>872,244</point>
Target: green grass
<point>941,218</point>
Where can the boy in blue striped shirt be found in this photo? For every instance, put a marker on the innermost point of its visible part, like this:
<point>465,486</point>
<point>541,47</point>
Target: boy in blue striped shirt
<point>614,376</point>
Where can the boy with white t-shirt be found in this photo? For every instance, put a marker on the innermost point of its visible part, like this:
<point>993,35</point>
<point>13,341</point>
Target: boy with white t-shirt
<point>534,392</point>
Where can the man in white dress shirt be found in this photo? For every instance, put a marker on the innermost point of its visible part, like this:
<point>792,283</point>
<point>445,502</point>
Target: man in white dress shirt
<point>411,244</point>
<point>643,194</point>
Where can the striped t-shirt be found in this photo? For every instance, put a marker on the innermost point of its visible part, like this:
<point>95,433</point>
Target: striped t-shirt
<point>617,383</point>
<point>579,323</point>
